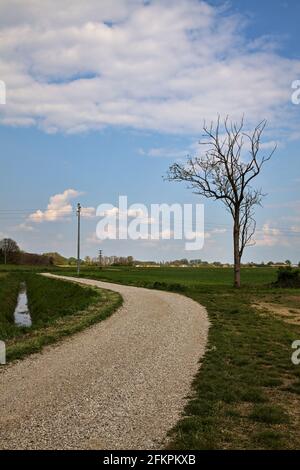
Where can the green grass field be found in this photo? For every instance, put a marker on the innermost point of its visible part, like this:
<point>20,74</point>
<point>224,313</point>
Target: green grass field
<point>247,392</point>
<point>188,277</point>
<point>57,309</point>
<point>185,276</point>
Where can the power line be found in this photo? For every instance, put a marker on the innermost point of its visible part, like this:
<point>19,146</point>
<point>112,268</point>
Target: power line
<point>17,214</point>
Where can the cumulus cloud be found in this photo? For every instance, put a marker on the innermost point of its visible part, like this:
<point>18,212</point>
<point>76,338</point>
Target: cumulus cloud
<point>58,208</point>
<point>267,236</point>
<point>156,65</point>
<point>270,236</point>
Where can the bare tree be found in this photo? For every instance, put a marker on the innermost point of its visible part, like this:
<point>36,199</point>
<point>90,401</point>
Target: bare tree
<point>224,173</point>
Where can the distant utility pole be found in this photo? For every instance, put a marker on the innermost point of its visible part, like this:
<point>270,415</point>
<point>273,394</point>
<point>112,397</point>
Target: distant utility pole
<point>5,251</point>
<point>78,237</point>
<point>100,258</point>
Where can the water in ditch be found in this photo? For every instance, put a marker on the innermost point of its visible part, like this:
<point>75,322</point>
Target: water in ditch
<point>22,315</point>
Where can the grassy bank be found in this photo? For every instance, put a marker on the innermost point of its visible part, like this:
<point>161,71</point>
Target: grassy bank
<point>9,288</point>
<point>57,308</point>
<point>247,392</point>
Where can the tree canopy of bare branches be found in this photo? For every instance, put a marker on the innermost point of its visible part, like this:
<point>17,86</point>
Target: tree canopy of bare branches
<point>225,171</point>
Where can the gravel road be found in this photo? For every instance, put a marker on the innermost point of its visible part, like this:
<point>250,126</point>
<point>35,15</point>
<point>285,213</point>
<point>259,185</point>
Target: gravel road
<point>120,384</point>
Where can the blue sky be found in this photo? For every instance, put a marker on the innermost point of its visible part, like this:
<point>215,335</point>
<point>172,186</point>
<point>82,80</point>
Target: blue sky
<point>101,99</point>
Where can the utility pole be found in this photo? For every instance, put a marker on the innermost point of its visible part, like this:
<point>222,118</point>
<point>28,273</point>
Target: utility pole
<point>5,249</point>
<point>100,258</point>
<point>78,238</point>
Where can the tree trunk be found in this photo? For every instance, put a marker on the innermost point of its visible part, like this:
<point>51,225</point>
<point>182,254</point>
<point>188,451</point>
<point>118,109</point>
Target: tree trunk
<point>236,250</point>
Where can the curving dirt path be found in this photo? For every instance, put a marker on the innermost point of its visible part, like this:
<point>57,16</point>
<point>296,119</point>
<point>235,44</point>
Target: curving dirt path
<point>120,384</point>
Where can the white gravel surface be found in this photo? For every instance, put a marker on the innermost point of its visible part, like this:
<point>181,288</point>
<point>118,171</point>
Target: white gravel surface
<point>120,384</point>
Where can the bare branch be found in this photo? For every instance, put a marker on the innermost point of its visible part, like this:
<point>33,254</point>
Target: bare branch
<point>222,173</point>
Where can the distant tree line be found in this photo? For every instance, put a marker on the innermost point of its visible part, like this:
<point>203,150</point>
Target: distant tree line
<point>109,261</point>
<point>10,253</point>
<point>181,262</point>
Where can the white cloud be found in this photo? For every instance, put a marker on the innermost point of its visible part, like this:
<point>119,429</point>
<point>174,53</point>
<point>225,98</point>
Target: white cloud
<point>88,212</point>
<point>270,236</point>
<point>24,227</point>
<point>165,152</point>
<point>195,149</point>
<point>180,154</point>
<point>219,230</point>
<point>163,66</point>
<point>115,212</point>
<point>59,207</point>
